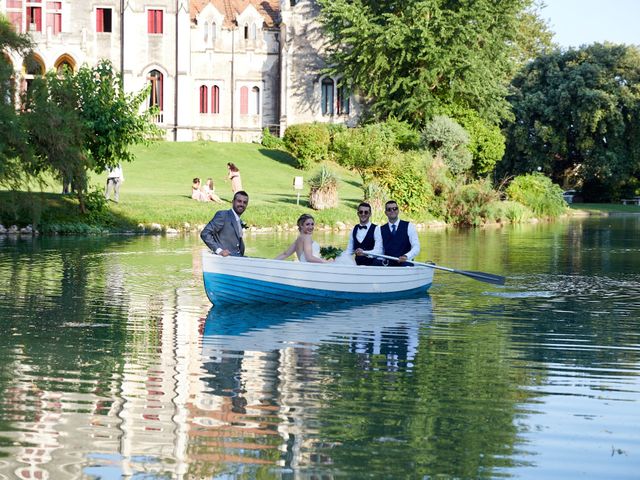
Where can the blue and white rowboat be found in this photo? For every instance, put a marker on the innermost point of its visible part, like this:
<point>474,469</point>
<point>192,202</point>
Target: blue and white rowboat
<point>259,280</point>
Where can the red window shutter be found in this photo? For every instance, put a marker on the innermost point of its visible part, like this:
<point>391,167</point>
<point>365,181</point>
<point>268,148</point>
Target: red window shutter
<point>159,22</point>
<point>203,99</point>
<point>215,99</point>
<point>244,101</point>
<point>150,21</point>
<point>99,20</point>
<point>38,18</point>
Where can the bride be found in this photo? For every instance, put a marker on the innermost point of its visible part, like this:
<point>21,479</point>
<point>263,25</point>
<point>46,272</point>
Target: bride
<point>306,249</point>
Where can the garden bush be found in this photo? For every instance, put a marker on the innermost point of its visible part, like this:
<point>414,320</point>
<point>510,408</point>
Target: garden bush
<point>404,136</point>
<point>538,193</point>
<point>449,141</point>
<point>405,181</point>
<point>307,142</point>
<point>271,141</point>
<point>512,212</point>
<point>365,149</point>
<point>470,204</point>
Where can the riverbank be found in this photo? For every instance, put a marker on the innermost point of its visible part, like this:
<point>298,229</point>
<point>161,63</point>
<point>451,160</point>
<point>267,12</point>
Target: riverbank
<point>156,195</point>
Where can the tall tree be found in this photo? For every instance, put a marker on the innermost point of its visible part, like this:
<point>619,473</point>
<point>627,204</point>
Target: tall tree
<point>84,121</point>
<point>409,59</point>
<point>578,118</point>
<point>13,143</point>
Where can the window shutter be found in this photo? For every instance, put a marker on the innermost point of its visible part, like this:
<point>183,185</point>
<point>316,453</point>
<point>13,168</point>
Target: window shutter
<point>215,99</point>
<point>244,101</point>
<point>99,20</point>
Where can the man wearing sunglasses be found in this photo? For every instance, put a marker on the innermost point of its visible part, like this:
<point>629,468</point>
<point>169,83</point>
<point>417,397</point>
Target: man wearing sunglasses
<point>365,238</point>
<point>399,237</point>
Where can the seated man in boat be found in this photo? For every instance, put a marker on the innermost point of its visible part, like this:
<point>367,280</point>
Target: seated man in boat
<point>399,237</point>
<point>223,234</point>
<point>365,239</point>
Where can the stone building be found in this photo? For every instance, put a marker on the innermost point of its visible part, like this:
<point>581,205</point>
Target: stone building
<point>218,69</point>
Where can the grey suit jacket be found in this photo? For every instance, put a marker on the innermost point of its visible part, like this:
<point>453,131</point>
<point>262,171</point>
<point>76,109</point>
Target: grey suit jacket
<point>223,232</point>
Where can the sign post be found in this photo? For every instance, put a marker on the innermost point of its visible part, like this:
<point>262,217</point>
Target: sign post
<point>298,184</point>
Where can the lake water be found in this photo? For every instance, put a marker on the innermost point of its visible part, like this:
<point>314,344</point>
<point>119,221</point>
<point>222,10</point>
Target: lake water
<point>114,365</point>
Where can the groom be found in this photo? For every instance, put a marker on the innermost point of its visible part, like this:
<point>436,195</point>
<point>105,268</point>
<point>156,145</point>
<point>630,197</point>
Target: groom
<point>223,234</point>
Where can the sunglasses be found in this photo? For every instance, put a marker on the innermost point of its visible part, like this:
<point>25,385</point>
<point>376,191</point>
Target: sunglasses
<point>363,212</point>
<point>391,209</point>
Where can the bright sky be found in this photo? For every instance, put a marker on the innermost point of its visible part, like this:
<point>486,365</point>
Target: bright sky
<point>579,22</point>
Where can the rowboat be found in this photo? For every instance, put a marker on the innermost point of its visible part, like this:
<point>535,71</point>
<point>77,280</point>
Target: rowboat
<point>250,280</point>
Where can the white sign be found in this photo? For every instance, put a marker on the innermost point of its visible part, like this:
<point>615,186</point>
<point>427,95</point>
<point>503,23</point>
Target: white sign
<point>298,183</point>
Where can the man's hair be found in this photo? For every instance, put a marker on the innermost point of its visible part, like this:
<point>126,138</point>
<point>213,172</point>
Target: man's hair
<point>389,202</point>
<point>365,204</point>
<point>240,192</point>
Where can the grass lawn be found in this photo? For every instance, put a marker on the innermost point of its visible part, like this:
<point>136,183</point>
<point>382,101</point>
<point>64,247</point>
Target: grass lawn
<point>604,208</point>
<point>157,189</point>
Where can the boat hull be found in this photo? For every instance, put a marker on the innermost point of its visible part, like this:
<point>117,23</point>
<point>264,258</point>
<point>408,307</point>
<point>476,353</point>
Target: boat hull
<point>257,280</point>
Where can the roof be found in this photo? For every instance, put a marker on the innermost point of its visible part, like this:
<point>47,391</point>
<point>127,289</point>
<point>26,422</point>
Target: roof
<point>269,9</point>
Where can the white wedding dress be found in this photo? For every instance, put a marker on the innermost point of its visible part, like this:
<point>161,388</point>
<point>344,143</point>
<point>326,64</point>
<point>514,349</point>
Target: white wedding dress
<point>315,250</point>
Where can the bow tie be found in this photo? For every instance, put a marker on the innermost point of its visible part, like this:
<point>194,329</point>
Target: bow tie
<point>362,227</point>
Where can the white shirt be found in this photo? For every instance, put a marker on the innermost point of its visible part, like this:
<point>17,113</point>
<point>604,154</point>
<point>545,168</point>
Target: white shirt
<point>238,221</point>
<point>413,239</point>
<point>360,234</point>
<point>116,172</point>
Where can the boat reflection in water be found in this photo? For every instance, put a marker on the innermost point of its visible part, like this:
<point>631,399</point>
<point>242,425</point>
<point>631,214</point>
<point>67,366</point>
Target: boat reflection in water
<point>269,366</point>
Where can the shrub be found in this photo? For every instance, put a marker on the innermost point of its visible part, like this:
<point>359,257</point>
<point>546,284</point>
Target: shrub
<point>405,181</point>
<point>97,207</point>
<point>271,141</point>
<point>512,212</point>
<point>470,204</point>
<point>365,149</point>
<point>324,189</point>
<point>446,139</point>
<point>307,142</point>
<point>538,193</point>
<point>405,137</point>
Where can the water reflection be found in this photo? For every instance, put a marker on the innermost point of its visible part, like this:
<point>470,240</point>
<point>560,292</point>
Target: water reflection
<point>112,364</point>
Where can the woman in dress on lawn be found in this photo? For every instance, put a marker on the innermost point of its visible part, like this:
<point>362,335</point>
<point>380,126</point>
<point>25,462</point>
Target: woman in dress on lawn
<point>210,191</point>
<point>234,176</point>
<point>197,193</point>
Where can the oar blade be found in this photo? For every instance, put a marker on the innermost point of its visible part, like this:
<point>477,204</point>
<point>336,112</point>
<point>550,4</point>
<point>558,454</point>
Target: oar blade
<point>483,277</point>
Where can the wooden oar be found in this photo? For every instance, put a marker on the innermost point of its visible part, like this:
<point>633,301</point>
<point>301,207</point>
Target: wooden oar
<point>480,276</point>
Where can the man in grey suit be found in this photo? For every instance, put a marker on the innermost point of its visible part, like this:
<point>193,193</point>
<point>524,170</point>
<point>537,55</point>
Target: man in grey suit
<point>223,234</point>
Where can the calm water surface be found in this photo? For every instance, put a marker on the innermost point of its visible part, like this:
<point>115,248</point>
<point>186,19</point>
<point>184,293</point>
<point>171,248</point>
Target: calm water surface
<point>113,365</point>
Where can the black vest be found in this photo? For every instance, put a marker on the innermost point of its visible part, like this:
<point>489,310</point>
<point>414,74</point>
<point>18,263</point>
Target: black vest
<point>368,242</point>
<point>396,245</point>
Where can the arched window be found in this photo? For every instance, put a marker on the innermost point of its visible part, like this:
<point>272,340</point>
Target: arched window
<point>65,61</point>
<point>203,99</point>
<point>255,100</point>
<point>155,97</point>
<point>254,31</point>
<point>343,100</point>
<point>246,31</point>
<point>205,28</point>
<point>33,67</point>
<point>326,101</point>
<point>244,101</point>
<point>214,33</point>
<point>215,99</point>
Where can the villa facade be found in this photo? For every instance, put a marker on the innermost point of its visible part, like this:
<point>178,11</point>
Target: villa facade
<point>218,70</point>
